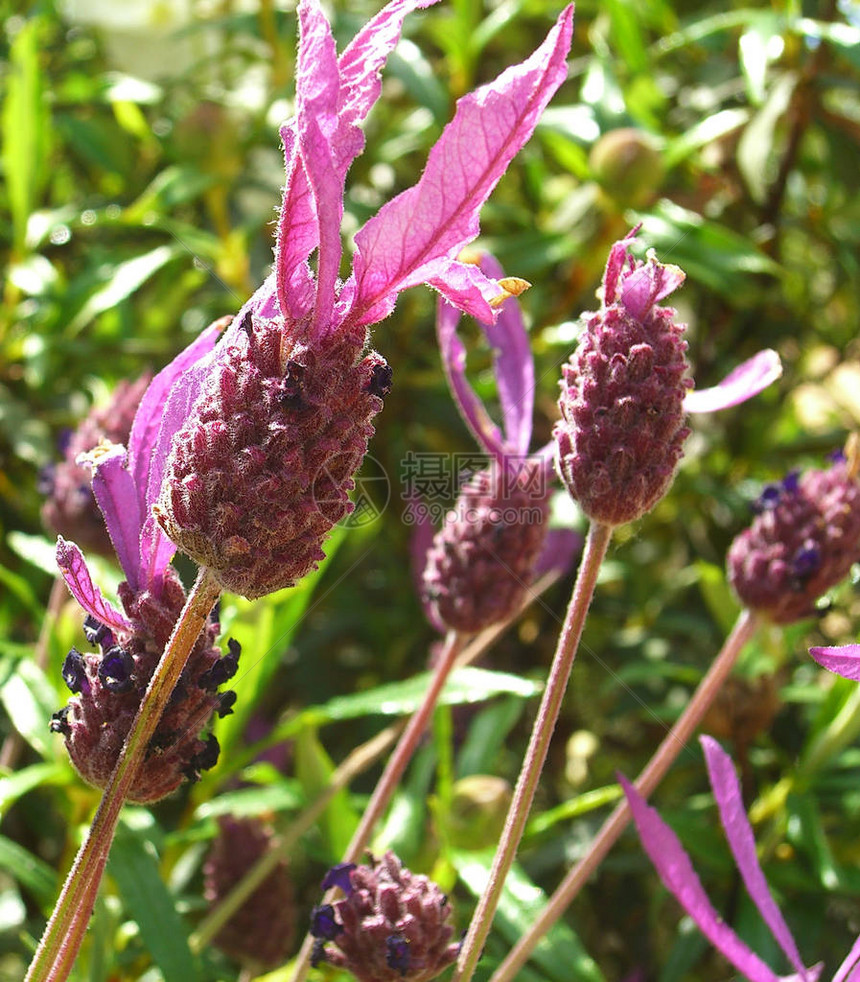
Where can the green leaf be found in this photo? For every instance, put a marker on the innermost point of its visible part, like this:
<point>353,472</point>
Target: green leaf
<point>560,953</point>
<point>25,128</point>
<point>703,133</point>
<point>133,864</point>
<point>710,254</point>
<point>251,802</point>
<point>844,37</point>
<point>314,769</point>
<point>30,700</point>
<point>756,145</point>
<point>124,280</point>
<point>758,46</point>
<point>464,687</point>
<point>805,833</point>
<point>16,785</point>
<point>31,872</point>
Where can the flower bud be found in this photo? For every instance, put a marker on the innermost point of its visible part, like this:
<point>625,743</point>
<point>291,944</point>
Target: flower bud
<point>260,473</point>
<point>479,806</point>
<point>391,925</point>
<point>480,563</point>
<point>622,431</point>
<point>803,541</point>
<point>70,509</point>
<point>627,166</point>
<point>108,687</point>
<point>260,933</point>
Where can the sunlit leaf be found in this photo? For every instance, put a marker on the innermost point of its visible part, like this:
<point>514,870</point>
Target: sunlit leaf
<point>133,864</point>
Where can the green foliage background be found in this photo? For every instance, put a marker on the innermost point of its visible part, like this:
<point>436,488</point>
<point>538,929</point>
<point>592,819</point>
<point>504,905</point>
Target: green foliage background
<point>141,171</point>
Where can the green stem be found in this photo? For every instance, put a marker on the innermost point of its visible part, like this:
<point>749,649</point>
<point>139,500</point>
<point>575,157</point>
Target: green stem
<point>65,930</point>
<point>673,743</point>
<point>596,545</point>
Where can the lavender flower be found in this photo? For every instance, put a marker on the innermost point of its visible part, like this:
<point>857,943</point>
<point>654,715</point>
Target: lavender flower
<point>261,931</point>
<point>676,871</point>
<point>625,393</point>
<point>260,471</point>
<point>802,542</point>
<point>392,924</point>
<point>70,509</point>
<point>494,541</point>
<point>107,686</point>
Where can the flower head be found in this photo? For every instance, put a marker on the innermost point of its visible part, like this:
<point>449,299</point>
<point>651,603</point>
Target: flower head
<point>478,566</point>
<point>677,873</point>
<point>625,393</point>
<point>108,684</point>
<point>261,931</point>
<point>803,541</point>
<point>391,924</point>
<point>261,470</point>
<point>70,508</point>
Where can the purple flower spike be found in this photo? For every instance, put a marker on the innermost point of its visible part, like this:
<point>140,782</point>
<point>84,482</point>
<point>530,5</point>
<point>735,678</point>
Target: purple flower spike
<point>802,542</point>
<point>625,393</point>
<point>260,471</point>
<point>676,872</point>
<point>477,568</point>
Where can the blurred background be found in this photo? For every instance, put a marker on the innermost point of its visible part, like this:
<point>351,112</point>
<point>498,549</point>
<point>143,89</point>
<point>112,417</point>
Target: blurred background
<point>141,176</point>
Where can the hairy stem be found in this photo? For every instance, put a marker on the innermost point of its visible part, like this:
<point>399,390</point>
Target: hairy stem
<point>673,743</point>
<point>65,930</point>
<point>596,545</point>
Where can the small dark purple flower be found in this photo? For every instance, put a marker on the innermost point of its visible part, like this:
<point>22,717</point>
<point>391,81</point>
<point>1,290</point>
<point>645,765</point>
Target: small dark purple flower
<point>398,956</point>
<point>323,923</point>
<point>226,702</point>
<point>340,875</point>
<point>59,721</point>
<point>74,672</point>
<point>116,670</point>
<point>224,669</point>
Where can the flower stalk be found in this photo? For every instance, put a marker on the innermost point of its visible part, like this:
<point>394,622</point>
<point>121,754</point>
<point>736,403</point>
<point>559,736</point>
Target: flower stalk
<point>596,544</point>
<point>665,755</point>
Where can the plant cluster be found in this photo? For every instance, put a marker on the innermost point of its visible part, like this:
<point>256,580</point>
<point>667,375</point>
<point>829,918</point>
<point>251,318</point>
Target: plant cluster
<point>518,533</point>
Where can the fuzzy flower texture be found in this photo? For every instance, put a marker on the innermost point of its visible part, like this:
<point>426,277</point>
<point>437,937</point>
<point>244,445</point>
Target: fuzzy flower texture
<point>391,924</point>
<point>276,423</point>
<point>677,873</point>
<point>625,393</point>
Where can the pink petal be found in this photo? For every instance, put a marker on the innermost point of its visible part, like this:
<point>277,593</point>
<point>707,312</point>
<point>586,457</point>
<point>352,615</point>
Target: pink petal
<point>742,383</point>
<point>851,964</point>
<point>439,215</point>
<point>322,139</point>
<point>297,233</point>
<point>118,500</point>
<point>727,792</point>
<point>677,873</point>
<point>461,284</point>
<point>514,365</point>
<point>471,408</point>
<point>842,660</point>
<point>364,57</point>
<point>73,568</point>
